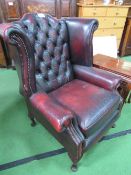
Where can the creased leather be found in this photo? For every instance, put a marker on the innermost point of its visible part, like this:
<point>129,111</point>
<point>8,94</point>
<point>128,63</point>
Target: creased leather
<point>97,77</point>
<point>56,114</point>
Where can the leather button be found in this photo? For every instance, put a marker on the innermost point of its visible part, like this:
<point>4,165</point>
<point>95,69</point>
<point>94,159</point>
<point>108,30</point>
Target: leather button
<point>49,39</point>
<point>26,27</point>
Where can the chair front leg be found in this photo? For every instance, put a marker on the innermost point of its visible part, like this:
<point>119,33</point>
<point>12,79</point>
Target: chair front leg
<point>75,146</point>
<point>123,90</point>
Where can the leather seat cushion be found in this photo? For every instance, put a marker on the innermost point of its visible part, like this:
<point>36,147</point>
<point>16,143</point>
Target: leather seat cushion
<point>91,104</point>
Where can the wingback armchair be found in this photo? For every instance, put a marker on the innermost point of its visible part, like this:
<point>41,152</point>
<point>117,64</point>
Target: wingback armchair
<point>75,102</point>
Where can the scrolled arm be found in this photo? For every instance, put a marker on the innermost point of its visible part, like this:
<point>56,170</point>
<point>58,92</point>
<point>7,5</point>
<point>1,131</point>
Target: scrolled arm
<point>21,51</point>
<point>98,77</point>
<point>58,116</point>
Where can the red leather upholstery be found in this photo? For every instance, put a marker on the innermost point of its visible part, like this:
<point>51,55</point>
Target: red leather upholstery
<point>91,104</point>
<point>76,103</point>
<point>55,113</point>
<point>80,35</point>
<point>98,77</point>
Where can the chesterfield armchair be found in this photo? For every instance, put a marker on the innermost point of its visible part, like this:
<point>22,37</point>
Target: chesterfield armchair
<point>74,101</point>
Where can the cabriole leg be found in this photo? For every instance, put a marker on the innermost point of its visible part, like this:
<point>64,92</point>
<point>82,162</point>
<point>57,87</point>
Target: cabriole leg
<point>33,122</point>
<point>74,167</point>
<point>114,125</point>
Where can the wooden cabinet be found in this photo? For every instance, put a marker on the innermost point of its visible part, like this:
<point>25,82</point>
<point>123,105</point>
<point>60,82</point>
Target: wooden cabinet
<point>111,18</point>
<point>125,46</point>
<point>11,10</point>
<point>46,6</point>
<point>57,8</point>
<point>2,57</point>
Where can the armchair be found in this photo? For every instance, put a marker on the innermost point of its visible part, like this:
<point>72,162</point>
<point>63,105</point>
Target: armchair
<point>75,102</point>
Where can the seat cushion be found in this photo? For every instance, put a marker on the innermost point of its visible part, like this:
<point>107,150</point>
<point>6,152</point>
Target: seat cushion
<point>91,104</point>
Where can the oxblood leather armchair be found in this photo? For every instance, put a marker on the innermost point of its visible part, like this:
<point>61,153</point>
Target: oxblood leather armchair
<point>74,101</point>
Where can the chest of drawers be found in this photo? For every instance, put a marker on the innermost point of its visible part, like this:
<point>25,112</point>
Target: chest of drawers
<point>111,18</point>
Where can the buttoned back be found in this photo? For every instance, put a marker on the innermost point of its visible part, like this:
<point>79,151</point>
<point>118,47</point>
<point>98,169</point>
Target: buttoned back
<point>49,39</point>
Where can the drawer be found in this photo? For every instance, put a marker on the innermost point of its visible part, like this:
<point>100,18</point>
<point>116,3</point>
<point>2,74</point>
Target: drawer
<point>118,22</point>
<point>111,22</point>
<point>113,11</point>
<point>94,11</point>
<point>109,32</point>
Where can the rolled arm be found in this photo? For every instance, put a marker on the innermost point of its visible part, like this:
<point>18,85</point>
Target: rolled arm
<point>98,77</point>
<point>58,116</point>
<point>21,51</point>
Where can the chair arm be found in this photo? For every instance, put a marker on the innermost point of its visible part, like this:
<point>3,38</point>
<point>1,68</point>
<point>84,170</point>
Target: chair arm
<point>58,116</point>
<point>21,51</point>
<point>97,77</point>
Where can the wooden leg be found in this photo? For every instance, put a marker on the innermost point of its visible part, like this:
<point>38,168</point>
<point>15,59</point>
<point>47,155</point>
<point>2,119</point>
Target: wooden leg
<point>74,167</point>
<point>33,122</point>
<point>129,98</point>
<point>31,117</point>
<point>114,125</point>
<point>124,90</point>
